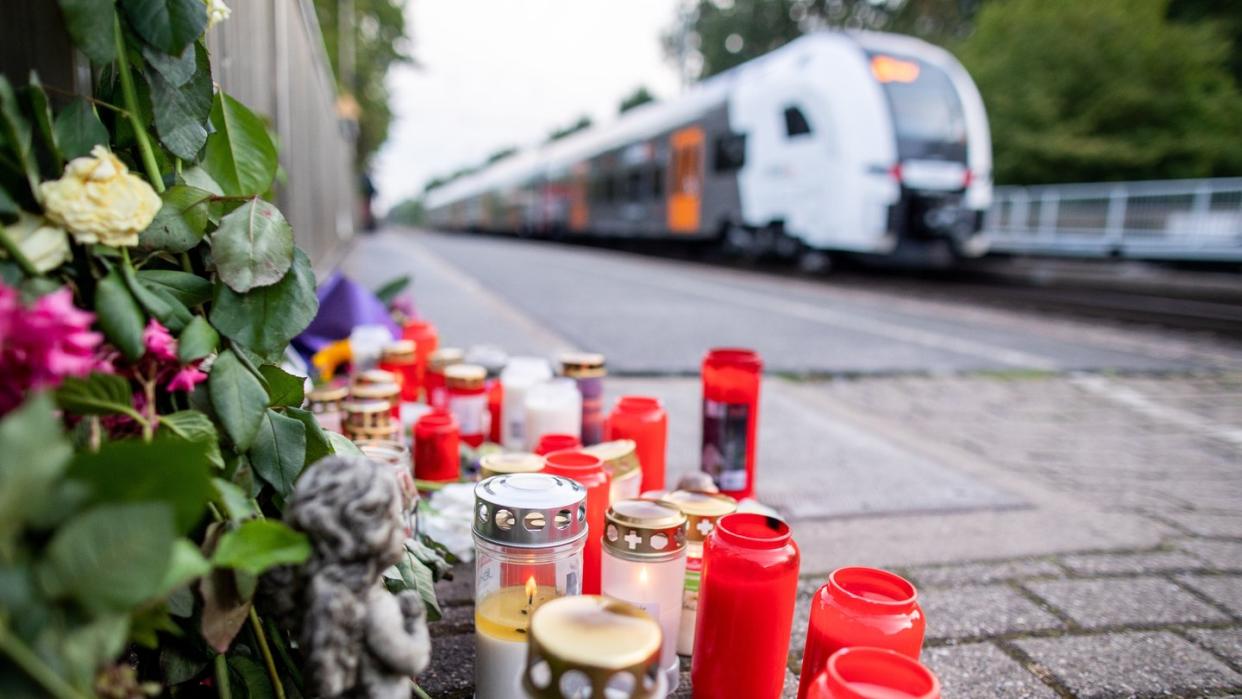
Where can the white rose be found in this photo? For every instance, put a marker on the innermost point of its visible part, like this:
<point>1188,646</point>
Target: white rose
<point>45,245</point>
<point>99,201</point>
<point>217,12</point>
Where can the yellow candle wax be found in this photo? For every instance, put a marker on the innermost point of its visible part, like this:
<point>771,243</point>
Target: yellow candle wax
<point>505,614</point>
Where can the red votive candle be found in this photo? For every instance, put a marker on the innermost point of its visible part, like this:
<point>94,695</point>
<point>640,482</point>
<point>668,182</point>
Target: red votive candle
<point>861,607</point>
<point>400,359</point>
<point>467,401</point>
<point>436,455</point>
<point>589,471</point>
<point>426,340</point>
<point>643,420</point>
<point>730,415</point>
<point>746,605</point>
<point>873,673</point>
<point>551,442</point>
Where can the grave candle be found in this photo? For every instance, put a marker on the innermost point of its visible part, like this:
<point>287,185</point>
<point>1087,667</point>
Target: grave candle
<point>467,401</point>
<point>701,510</point>
<point>553,407</point>
<point>325,403</point>
<point>529,530</point>
<point>589,471</point>
<point>873,673</point>
<point>587,370</point>
<point>512,462</point>
<point>518,376</point>
<point>426,340</point>
<point>551,442</point>
<point>433,378</point>
<point>642,419</point>
<point>436,456</point>
<point>730,415</point>
<point>400,358</point>
<point>621,462</point>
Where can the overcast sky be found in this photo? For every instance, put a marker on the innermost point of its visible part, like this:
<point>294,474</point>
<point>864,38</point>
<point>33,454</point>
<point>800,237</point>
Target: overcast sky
<point>500,72</point>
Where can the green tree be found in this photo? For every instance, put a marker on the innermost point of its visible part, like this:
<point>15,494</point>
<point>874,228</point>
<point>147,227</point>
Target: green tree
<point>583,123</point>
<point>1104,90</point>
<point>636,98</point>
<point>500,154</point>
<point>408,213</point>
<point>379,41</point>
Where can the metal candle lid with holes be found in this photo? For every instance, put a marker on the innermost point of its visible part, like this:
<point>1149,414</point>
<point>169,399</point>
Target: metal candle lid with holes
<point>593,642</point>
<point>529,510</point>
<point>701,510</point>
<point>644,530</point>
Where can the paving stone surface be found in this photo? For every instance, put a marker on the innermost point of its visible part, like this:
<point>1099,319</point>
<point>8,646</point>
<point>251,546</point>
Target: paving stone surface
<point>1132,663</point>
<point>1131,563</point>
<point>452,666</point>
<point>982,573</point>
<point>1124,602</point>
<point>1226,643</point>
<point>1225,590</point>
<point>976,611</point>
<point>983,671</point>
<point>1217,553</point>
<point>1209,524</point>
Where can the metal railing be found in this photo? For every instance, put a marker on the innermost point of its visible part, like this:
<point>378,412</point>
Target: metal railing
<point>1158,220</point>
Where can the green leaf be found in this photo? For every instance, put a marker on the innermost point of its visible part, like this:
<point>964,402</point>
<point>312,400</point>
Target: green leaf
<point>90,25</point>
<point>111,557</point>
<point>8,207</point>
<point>16,132</point>
<point>391,288</point>
<point>259,544</point>
<point>198,340</point>
<point>35,456</point>
<point>342,445</point>
<point>168,470</point>
<point>78,129</point>
<point>168,25</point>
<point>317,444</point>
<point>253,246</point>
<point>181,221</point>
<point>36,101</point>
<point>236,502</point>
<point>198,178</point>
<point>238,399</point>
<point>157,301</point>
<point>88,648</point>
<point>266,319</point>
<point>253,677</point>
<point>176,70</point>
<point>187,566</point>
<point>240,155</point>
<point>97,394</point>
<point>193,426</point>
<point>189,289</point>
<point>279,451</point>
<point>181,112</point>
<point>417,576</point>
<point>283,388</point>
<point>119,315</point>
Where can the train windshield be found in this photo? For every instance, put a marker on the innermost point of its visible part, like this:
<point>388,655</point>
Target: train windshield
<point>926,109</point>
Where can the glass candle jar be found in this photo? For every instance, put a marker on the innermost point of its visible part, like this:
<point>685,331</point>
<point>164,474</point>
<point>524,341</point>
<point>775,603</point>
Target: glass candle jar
<point>644,564</point>
<point>396,456</point>
<point>873,673</point>
<point>549,443</point>
<point>512,462</point>
<point>529,529</point>
<point>400,358</point>
<point>587,370</point>
<point>746,605</point>
<point>701,510</point>
<point>730,416</point>
<point>589,471</point>
<point>516,379</point>
<point>642,419</point>
<point>377,384</point>
<point>369,419</point>
<point>325,404</point>
<point>433,379</point>
<point>553,407</point>
<point>861,607</point>
<point>621,462</point>
<point>593,646</point>
<point>467,401</point>
<point>426,340</point>
<point>436,456</point>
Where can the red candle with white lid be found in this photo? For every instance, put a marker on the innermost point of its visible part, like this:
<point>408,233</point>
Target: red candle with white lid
<point>731,378</point>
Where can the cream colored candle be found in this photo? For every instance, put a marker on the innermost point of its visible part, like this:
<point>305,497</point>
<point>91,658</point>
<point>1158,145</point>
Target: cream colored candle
<point>501,623</point>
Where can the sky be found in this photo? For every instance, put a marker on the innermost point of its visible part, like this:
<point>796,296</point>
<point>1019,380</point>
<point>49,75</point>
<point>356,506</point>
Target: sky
<point>494,73</point>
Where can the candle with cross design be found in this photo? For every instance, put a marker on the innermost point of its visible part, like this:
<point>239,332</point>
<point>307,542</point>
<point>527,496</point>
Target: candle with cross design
<point>644,563</point>
<point>701,510</point>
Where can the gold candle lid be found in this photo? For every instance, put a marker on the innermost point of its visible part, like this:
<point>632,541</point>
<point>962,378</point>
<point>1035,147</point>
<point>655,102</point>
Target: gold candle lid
<point>374,376</point>
<point>376,391</point>
<point>465,376</point>
<point>328,394</point>
<point>599,637</point>
<point>701,510</point>
<point>386,451</point>
<point>521,462</point>
<point>366,407</point>
<point>444,357</point>
<point>620,456</point>
<point>645,529</point>
<point>582,365</point>
<point>399,352</point>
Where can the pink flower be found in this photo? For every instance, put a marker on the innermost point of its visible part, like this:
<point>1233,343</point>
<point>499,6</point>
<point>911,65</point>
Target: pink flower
<point>42,344</point>
<point>159,342</point>
<point>186,378</point>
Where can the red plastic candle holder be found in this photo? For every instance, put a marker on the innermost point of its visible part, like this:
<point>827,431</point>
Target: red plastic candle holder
<point>436,455</point>
<point>589,471</point>
<point>643,420</point>
<point>746,604</point>
<point>549,443</point>
<point>873,673</point>
<point>401,360</point>
<point>426,340</point>
<point>730,415</point>
<point>861,607</point>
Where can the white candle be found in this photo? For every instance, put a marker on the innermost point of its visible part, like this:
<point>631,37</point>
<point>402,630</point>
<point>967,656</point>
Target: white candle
<point>501,622</point>
<point>518,376</point>
<point>553,407</point>
<point>656,588</point>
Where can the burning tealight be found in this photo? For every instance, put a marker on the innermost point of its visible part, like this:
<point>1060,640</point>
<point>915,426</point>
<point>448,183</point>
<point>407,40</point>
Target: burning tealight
<point>529,530</point>
<point>591,646</point>
<point>644,564</point>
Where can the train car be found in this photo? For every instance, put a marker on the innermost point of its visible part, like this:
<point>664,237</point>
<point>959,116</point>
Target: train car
<point>858,142</point>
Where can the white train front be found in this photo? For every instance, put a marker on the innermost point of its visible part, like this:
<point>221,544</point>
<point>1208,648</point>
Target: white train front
<point>862,142</point>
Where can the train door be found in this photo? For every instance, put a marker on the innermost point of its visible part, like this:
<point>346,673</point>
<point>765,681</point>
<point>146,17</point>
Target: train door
<point>685,187</point>
<point>578,211</point>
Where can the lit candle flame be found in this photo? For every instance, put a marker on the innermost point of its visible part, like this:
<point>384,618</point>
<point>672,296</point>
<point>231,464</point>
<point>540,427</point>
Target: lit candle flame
<point>642,575</point>
<point>531,589</point>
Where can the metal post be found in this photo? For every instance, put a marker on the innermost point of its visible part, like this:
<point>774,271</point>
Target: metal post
<point>1115,219</point>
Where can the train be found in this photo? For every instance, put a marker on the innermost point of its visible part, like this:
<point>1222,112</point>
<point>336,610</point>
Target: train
<point>859,143</point>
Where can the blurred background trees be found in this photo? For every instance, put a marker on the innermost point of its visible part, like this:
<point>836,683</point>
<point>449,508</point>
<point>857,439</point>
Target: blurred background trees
<point>637,98</point>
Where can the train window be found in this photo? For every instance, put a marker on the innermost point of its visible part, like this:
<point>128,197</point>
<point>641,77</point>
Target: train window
<point>610,188</point>
<point>796,123</point>
<point>634,185</point>
<point>729,152</point>
<point>657,181</point>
